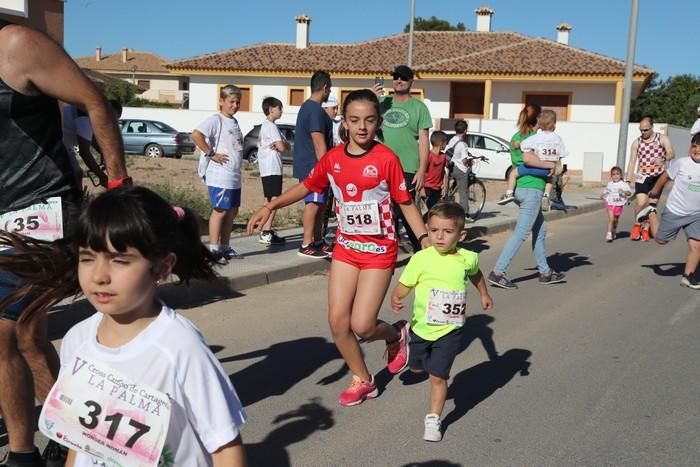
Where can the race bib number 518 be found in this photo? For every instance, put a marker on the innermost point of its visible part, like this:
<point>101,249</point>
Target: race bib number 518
<point>98,411</point>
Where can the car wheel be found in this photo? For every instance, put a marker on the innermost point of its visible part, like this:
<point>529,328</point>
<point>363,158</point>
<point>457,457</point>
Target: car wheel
<point>177,156</point>
<point>252,156</point>
<point>153,151</point>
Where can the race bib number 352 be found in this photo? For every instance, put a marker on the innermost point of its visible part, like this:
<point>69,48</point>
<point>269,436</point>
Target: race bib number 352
<point>446,307</point>
<point>41,221</point>
<point>98,411</point>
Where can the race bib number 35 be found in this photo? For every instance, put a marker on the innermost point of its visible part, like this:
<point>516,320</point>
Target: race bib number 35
<point>446,307</point>
<point>41,221</point>
<point>361,218</point>
<point>100,412</point>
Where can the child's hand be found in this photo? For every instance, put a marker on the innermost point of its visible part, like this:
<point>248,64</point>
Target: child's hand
<point>486,302</point>
<point>396,304</point>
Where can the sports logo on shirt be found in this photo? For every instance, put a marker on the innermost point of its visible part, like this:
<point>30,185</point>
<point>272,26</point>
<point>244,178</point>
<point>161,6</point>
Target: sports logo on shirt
<point>370,171</point>
<point>402,186</point>
<point>336,167</point>
<point>396,118</point>
<point>351,189</point>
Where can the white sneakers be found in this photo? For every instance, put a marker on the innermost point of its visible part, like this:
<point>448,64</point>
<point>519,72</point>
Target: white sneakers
<point>432,428</point>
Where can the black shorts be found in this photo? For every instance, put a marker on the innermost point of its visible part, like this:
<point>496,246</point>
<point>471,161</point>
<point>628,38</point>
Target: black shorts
<point>272,186</point>
<point>435,357</point>
<point>647,185</point>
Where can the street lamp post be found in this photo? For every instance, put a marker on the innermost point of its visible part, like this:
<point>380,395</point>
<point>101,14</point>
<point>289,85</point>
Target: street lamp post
<point>410,34</point>
<point>627,86</point>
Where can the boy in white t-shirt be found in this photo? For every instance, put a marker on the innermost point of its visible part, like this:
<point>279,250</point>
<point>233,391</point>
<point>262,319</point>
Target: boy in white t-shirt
<point>270,144</point>
<point>682,209</point>
<point>616,193</point>
<point>548,146</point>
<point>221,141</point>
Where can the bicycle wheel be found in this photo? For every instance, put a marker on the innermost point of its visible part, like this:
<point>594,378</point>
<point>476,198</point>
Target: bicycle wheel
<point>477,198</point>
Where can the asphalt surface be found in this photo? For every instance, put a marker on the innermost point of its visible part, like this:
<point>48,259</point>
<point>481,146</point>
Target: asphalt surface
<point>599,370</point>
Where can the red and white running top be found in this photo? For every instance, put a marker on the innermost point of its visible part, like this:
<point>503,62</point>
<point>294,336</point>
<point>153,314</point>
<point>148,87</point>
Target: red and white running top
<point>647,151</point>
<point>364,187</point>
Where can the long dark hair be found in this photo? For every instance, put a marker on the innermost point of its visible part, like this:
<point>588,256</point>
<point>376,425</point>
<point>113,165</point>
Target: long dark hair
<point>126,217</point>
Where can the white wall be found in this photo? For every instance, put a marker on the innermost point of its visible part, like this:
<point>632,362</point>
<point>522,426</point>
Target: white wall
<point>589,102</point>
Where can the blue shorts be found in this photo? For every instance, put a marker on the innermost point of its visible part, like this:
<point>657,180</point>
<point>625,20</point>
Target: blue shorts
<point>224,198</point>
<point>8,284</point>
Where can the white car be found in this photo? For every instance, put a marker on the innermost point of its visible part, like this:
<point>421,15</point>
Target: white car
<point>495,148</point>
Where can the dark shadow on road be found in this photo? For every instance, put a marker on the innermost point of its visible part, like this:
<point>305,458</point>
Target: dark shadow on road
<point>285,364</point>
<point>564,262</point>
<point>300,424</point>
<point>474,385</point>
<point>621,235</point>
<point>476,245</point>
<point>435,463</point>
<point>666,269</point>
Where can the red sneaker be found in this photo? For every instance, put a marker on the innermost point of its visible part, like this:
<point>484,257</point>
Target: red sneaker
<point>358,391</point>
<point>645,233</point>
<point>397,352</point>
<point>636,233</point>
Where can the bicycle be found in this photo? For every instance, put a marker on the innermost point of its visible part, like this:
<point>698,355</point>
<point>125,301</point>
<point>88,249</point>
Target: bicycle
<point>476,190</point>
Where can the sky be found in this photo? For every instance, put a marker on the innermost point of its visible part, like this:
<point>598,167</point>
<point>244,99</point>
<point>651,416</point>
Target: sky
<point>183,28</point>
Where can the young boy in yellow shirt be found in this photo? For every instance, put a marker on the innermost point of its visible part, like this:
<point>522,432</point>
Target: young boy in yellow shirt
<point>439,274</point>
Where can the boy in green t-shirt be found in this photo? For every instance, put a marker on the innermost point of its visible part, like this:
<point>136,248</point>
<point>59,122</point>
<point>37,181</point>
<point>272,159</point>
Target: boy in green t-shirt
<point>439,275</point>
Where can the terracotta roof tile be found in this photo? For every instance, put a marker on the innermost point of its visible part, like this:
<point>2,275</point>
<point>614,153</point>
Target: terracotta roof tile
<point>144,61</point>
<point>438,52</point>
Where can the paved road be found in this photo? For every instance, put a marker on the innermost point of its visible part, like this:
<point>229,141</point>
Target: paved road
<point>601,370</point>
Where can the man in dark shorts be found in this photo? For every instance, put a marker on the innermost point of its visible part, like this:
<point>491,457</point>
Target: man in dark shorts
<point>648,157</point>
<point>36,173</point>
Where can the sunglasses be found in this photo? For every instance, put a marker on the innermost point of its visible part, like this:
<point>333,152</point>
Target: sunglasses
<point>401,78</point>
<point>644,130</point>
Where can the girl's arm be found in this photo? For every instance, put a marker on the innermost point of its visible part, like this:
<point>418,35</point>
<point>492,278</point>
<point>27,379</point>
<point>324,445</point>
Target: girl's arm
<point>480,284</point>
<point>290,196</point>
<point>415,221</point>
<point>230,455</point>
<point>400,291</point>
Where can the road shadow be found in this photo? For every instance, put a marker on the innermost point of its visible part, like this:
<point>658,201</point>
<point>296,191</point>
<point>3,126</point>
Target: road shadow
<point>300,424</point>
<point>562,262</point>
<point>666,269</point>
<point>435,463</point>
<point>285,364</point>
<point>476,245</point>
<point>622,234</point>
<point>472,386</point>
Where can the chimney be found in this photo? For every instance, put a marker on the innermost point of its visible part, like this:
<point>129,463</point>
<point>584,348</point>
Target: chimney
<point>483,19</point>
<point>303,22</point>
<point>125,54</point>
<point>563,33</point>
<point>98,53</point>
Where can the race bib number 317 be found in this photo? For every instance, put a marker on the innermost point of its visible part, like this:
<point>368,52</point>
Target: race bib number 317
<point>98,411</point>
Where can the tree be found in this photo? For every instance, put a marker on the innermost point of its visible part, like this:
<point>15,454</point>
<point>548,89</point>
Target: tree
<point>120,90</point>
<point>433,24</point>
<point>672,101</point>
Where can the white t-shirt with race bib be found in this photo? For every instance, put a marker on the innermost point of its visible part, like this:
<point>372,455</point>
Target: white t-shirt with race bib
<point>547,145</point>
<point>225,137</point>
<point>171,356</point>
<point>613,195</point>
<point>269,160</point>
<point>684,199</point>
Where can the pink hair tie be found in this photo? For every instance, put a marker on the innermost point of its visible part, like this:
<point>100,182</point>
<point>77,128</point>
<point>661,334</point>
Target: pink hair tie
<point>179,212</point>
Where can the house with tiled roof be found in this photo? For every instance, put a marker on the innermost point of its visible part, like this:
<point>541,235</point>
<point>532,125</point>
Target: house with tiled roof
<point>144,69</point>
<point>480,74</point>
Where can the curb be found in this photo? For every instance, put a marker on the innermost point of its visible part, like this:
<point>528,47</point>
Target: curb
<point>229,286</point>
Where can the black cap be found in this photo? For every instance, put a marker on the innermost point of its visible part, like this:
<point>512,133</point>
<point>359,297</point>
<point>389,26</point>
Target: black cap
<point>403,70</point>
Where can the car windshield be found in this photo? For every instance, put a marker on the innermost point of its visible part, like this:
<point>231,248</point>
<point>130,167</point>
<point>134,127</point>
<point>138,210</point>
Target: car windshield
<point>163,127</point>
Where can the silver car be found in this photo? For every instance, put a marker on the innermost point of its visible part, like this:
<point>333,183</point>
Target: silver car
<point>154,139</point>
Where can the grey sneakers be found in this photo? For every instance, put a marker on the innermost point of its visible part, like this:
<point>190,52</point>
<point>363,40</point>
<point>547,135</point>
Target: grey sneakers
<point>501,280</point>
<point>553,277</point>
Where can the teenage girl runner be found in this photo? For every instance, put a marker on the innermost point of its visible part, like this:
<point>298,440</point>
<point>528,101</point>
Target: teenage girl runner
<point>127,241</point>
<point>366,177</point>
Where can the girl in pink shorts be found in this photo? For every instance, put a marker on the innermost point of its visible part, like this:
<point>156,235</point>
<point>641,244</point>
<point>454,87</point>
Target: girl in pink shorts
<point>616,193</point>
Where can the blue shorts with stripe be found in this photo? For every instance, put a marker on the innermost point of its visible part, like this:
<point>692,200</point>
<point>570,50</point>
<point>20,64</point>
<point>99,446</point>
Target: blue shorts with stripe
<point>224,198</point>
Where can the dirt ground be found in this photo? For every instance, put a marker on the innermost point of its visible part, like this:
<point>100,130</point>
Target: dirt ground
<point>181,176</point>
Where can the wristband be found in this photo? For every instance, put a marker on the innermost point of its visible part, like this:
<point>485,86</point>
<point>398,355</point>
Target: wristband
<point>210,154</point>
<point>112,184</point>
<point>420,239</point>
